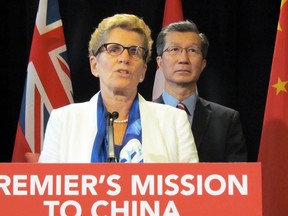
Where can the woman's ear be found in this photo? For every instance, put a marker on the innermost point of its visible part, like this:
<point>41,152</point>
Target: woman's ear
<point>93,66</point>
<point>142,76</point>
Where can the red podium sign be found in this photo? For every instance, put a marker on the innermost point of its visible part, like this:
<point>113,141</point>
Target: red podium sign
<point>29,189</point>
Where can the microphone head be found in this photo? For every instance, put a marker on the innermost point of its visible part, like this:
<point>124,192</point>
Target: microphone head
<point>108,115</point>
<point>115,115</point>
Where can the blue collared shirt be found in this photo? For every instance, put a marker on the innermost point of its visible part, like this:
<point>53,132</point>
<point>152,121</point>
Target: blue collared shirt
<point>189,102</point>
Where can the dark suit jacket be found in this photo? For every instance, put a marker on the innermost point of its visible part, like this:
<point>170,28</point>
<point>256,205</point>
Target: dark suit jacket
<point>217,132</point>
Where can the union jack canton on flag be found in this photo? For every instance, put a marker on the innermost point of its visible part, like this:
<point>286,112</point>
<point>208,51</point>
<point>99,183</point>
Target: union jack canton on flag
<point>48,83</point>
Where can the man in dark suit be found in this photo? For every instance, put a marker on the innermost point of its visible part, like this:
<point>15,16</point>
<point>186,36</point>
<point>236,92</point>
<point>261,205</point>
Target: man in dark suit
<point>217,129</point>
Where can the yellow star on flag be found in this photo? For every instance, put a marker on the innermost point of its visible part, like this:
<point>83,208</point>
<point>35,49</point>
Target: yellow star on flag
<point>279,25</point>
<point>280,86</point>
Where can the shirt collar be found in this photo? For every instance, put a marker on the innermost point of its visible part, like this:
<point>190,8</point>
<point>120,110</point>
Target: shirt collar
<point>189,102</point>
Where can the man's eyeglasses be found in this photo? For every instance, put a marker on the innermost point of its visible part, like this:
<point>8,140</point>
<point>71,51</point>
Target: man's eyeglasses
<point>116,49</point>
<point>176,50</point>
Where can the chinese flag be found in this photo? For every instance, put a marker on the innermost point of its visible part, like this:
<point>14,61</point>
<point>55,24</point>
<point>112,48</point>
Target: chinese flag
<point>273,152</point>
<point>172,13</point>
<point>48,84</point>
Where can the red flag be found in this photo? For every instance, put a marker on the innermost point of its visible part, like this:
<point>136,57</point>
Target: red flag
<point>48,84</point>
<point>172,13</point>
<point>273,152</point>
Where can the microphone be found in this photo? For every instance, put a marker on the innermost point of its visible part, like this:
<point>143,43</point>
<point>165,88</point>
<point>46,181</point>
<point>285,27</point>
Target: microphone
<point>114,115</point>
<point>110,117</point>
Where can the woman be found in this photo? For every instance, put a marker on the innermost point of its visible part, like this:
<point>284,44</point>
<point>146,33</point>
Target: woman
<point>119,50</point>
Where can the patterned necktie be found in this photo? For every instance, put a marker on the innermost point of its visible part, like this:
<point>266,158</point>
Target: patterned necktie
<point>181,106</point>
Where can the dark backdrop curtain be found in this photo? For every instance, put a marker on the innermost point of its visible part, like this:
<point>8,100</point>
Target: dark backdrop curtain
<point>241,33</point>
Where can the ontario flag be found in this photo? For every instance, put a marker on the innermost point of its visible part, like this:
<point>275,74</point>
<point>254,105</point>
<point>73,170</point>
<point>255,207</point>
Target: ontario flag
<point>48,83</point>
<point>172,13</point>
<point>273,151</point>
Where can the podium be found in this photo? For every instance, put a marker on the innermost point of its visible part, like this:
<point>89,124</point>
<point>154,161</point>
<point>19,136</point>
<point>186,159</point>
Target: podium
<point>29,189</point>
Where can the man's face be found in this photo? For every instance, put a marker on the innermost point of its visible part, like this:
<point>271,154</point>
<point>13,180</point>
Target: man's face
<point>181,66</point>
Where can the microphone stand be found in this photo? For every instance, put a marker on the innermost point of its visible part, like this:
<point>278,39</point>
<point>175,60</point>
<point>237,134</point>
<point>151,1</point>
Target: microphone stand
<point>110,117</point>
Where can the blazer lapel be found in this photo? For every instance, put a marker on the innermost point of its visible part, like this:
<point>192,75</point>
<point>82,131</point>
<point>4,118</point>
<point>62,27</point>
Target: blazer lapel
<point>152,145</point>
<point>202,114</point>
<point>201,118</point>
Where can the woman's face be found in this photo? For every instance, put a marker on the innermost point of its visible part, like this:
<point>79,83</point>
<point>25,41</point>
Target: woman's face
<point>119,73</point>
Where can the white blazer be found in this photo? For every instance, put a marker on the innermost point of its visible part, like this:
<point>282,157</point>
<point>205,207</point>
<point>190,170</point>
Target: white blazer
<point>71,130</point>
